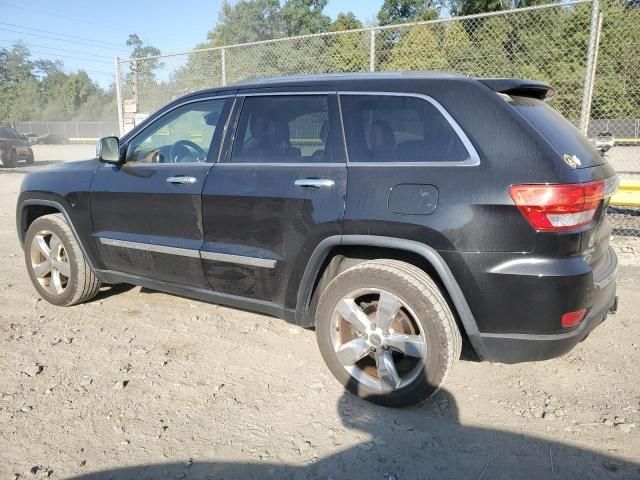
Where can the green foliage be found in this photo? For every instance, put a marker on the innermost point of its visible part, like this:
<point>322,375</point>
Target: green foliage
<point>41,90</point>
<point>255,20</point>
<point>345,21</point>
<point>417,49</point>
<point>399,11</point>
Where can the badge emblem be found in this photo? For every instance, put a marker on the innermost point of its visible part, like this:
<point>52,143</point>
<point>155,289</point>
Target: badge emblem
<point>572,160</point>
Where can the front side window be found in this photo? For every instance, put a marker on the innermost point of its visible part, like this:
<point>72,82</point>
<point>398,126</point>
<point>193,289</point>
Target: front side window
<point>7,133</point>
<point>183,135</point>
<point>389,128</point>
<point>283,129</point>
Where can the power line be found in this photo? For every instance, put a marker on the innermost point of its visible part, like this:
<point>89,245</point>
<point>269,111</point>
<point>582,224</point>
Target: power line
<point>89,22</point>
<point>22,27</point>
<point>71,57</point>
<point>53,48</point>
<point>75,42</point>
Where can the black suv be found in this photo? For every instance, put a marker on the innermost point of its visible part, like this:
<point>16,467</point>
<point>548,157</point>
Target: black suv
<point>14,147</point>
<point>400,214</point>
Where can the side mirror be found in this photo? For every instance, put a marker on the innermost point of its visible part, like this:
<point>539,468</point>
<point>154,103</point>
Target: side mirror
<point>108,150</point>
<point>604,142</point>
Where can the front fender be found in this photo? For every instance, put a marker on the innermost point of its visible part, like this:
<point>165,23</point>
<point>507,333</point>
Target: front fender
<point>65,189</point>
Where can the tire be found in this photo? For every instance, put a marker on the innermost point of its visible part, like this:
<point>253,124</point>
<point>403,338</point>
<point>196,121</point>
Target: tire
<point>30,158</point>
<point>64,277</point>
<point>12,161</point>
<point>422,360</point>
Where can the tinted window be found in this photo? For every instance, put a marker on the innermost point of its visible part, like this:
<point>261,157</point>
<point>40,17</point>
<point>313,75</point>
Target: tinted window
<point>7,133</point>
<point>183,135</point>
<point>557,130</point>
<point>398,129</point>
<point>281,129</point>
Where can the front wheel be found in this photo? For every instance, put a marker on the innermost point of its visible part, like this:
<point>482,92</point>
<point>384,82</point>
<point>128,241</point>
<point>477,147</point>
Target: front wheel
<point>12,160</point>
<point>387,333</point>
<point>56,265</point>
<point>30,158</point>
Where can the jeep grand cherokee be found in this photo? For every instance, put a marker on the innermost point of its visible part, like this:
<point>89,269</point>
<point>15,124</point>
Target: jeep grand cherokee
<point>400,214</point>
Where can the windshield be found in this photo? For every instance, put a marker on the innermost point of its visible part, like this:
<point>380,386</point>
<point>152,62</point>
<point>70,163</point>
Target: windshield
<point>557,130</point>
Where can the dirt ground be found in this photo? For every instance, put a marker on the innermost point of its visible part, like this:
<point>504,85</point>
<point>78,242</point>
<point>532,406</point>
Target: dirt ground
<point>138,384</point>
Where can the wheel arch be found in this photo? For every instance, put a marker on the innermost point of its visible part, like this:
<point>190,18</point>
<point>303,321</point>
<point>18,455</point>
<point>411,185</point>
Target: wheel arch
<point>32,209</point>
<point>327,261</point>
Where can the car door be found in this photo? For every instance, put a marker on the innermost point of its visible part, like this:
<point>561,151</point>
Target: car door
<point>279,192</point>
<point>147,213</point>
<point>22,145</point>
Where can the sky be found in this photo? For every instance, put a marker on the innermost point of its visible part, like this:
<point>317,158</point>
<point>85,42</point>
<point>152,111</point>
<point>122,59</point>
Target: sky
<point>87,34</point>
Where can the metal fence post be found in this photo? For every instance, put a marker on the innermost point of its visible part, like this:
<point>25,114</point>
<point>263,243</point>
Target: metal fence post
<point>116,64</point>
<point>372,49</point>
<point>585,110</point>
<point>223,62</point>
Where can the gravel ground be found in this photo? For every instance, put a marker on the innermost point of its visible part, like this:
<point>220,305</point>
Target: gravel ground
<point>138,384</point>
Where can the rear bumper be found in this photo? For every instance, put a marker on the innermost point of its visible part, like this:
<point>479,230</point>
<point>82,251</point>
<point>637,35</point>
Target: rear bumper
<point>527,348</point>
<point>514,348</point>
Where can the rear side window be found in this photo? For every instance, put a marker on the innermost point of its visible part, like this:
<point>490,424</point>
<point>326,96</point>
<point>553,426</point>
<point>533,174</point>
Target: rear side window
<point>283,129</point>
<point>389,128</point>
<point>557,130</point>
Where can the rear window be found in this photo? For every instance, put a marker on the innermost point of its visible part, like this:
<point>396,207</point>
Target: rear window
<point>557,130</point>
<point>390,128</point>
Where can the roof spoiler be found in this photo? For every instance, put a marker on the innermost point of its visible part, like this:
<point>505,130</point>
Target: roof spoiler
<point>513,86</point>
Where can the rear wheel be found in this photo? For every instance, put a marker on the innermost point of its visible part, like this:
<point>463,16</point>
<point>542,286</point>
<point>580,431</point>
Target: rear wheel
<point>56,265</point>
<point>387,333</point>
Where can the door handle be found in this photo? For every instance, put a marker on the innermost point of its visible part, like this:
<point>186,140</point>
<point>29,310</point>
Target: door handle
<point>314,182</point>
<point>181,180</point>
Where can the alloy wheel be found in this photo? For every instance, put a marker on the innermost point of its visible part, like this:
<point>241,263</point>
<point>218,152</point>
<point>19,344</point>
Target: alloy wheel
<point>50,262</point>
<point>377,339</point>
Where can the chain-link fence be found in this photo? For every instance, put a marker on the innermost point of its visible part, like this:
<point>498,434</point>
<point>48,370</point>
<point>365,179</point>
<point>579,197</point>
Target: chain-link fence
<point>587,49</point>
<point>68,132</point>
<point>549,43</point>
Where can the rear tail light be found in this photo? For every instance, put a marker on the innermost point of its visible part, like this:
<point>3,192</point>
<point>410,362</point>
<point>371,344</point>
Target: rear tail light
<point>572,319</point>
<point>554,208</point>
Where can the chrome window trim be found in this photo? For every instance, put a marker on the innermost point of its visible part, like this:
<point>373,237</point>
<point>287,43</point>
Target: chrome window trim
<point>186,102</point>
<point>472,161</point>
<point>150,247</point>
<point>273,94</point>
<point>238,259</point>
<point>280,164</point>
<point>191,253</point>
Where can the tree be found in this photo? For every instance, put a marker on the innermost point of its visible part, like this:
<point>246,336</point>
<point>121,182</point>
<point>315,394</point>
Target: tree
<point>418,49</point>
<point>472,7</point>
<point>302,17</point>
<point>349,51</point>
<point>345,21</point>
<point>142,73</point>
<point>245,21</point>
<point>40,90</point>
<point>399,11</point>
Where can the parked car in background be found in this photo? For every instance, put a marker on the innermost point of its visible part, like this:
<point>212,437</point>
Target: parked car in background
<point>34,138</point>
<point>400,214</point>
<point>14,147</point>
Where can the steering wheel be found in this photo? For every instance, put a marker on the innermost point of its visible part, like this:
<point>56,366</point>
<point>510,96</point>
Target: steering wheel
<point>188,146</point>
